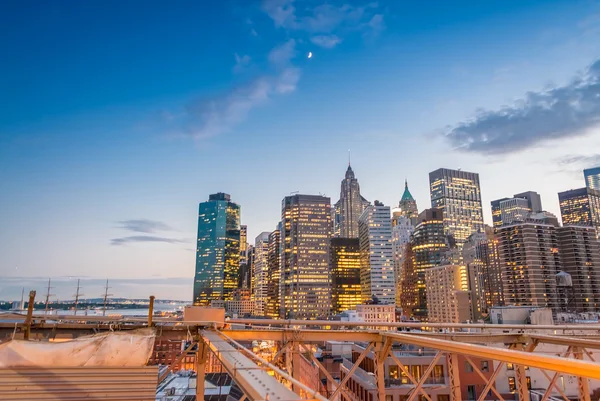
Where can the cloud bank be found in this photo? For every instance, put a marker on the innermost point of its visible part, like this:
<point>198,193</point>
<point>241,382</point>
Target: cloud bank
<point>144,226</point>
<point>144,238</point>
<point>557,113</point>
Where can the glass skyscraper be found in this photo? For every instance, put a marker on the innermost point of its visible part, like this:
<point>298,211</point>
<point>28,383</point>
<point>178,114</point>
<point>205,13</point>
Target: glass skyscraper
<point>580,207</point>
<point>345,274</point>
<point>458,195</point>
<point>592,178</point>
<point>217,250</point>
<point>305,279</point>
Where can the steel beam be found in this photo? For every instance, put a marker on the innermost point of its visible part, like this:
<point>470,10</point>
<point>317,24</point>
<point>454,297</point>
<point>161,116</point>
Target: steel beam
<point>424,377</point>
<point>381,356</point>
<point>556,364</point>
<point>553,381</point>
<point>454,374</point>
<point>201,358</point>
<point>411,377</point>
<point>254,381</point>
<point>489,383</point>
<point>305,336</point>
<point>583,383</point>
<point>351,372</point>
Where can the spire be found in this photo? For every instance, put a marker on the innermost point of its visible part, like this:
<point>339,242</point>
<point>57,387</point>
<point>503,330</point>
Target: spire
<point>406,196</point>
<point>348,157</point>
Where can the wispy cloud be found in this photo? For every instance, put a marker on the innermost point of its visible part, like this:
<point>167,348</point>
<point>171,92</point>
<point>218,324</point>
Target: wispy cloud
<point>324,18</point>
<point>144,238</point>
<point>553,114</point>
<point>580,161</point>
<point>209,118</point>
<point>241,62</point>
<point>281,55</point>
<point>144,226</point>
<point>326,41</point>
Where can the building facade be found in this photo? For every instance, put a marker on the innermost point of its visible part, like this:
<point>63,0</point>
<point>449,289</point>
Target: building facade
<point>514,210</point>
<point>592,178</point>
<point>274,272</point>
<point>458,195</point>
<point>217,250</point>
<point>376,256</point>
<point>448,294</point>
<point>580,207</point>
<point>349,208</point>
<point>345,274</point>
<point>427,249</point>
<point>481,255</point>
<point>260,269</point>
<point>580,256</point>
<point>305,280</point>
<point>407,206</point>
<point>402,229</point>
<point>530,261</point>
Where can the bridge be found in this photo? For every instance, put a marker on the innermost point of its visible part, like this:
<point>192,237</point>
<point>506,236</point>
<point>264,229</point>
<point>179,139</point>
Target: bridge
<point>280,377</point>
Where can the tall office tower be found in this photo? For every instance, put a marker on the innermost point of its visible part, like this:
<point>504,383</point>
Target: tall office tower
<point>448,294</point>
<point>530,261</point>
<point>345,274</point>
<point>402,229</point>
<point>592,178</point>
<point>349,208</point>
<point>517,208</point>
<point>514,210</point>
<point>218,250</point>
<point>260,270</point>
<point>497,212</point>
<point>534,201</point>
<point>458,194</point>
<point>579,251</point>
<point>580,207</point>
<point>408,205</point>
<point>243,256</point>
<point>480,254</point>
<point>428,248</point>
<point>376,256</point>
<point>305,279</point>
<point>272,310</point>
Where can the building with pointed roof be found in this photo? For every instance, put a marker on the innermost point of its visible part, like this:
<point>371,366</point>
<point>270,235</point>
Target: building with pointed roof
<point>349,208</point>
<point>408,205</point>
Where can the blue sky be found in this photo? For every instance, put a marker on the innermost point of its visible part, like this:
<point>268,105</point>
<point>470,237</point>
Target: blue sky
<point>118,118</point>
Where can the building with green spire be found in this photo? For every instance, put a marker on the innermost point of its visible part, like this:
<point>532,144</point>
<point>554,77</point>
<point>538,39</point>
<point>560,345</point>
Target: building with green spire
<point>408,205</point>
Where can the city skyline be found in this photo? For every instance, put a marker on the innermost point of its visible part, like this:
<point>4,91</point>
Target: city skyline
<point>105,163</point>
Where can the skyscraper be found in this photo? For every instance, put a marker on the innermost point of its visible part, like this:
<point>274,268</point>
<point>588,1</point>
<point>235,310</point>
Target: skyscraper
<point>530,261</point>
<point>458,194</point>
<point>402,229</point>
<point>481,255</point>
<point>514,210</point>
<point>592,178</point>
<point>408,205</point>
<point>274,273</point>
<point>534,201</point>
<point>349,208</point>
<point>305,279</point>
<point>428,247</point>
<point>260,269</point>
<point>376,259</point>
<point>218,250</point>
<point>244,268</point>
<point>580,256</point>
<point>517,208</point>
<point>448,294</point>
<point>345,274</point>
<point>580,207</point>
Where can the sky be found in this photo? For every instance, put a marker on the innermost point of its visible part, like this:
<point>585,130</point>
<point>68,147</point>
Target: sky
<point>118,118</point>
